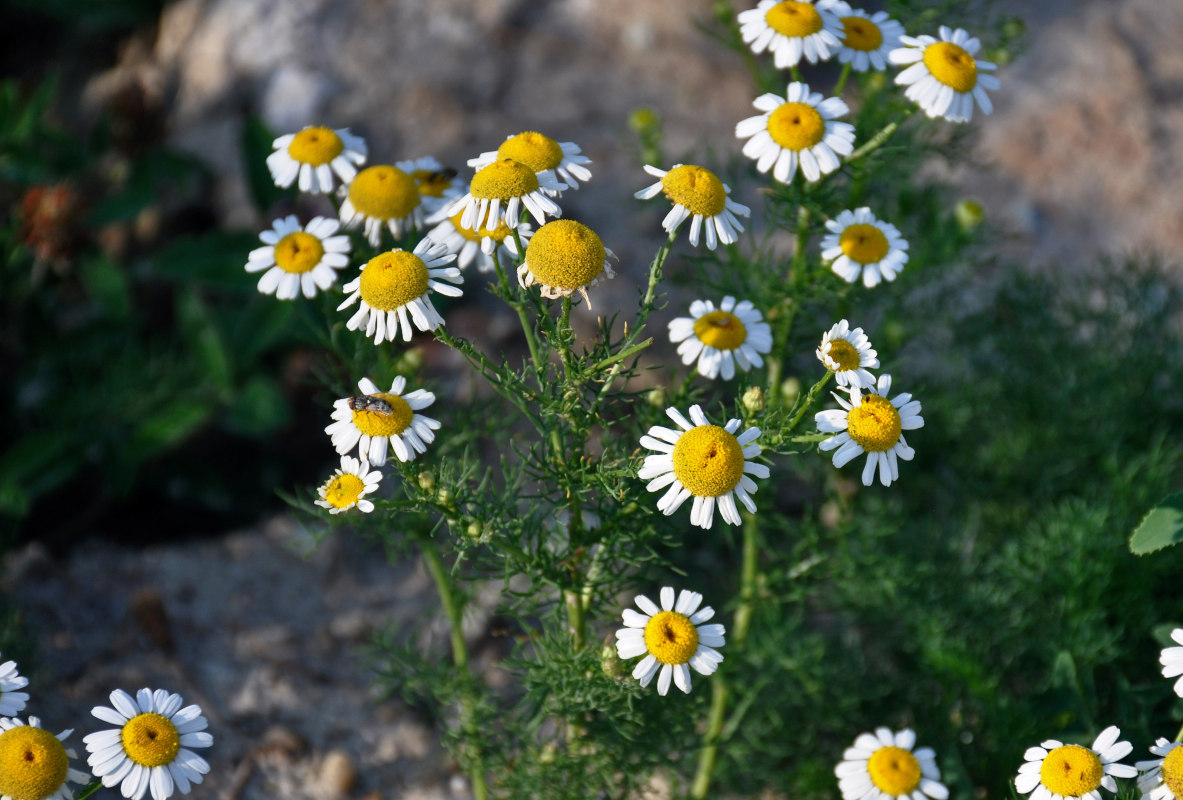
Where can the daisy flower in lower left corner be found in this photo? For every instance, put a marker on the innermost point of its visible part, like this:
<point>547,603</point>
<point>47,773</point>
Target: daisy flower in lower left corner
<point>375,420</point>
<point>672,638</point>
<point>1073,772</point>
<point>149,748</point>
<point>349,486</point>
<point>884,765</point>
<point>34,764</point>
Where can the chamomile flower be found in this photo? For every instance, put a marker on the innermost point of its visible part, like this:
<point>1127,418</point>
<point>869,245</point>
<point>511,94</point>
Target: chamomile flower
<point>874,425</point>
<point>553,162</point>
<point>799,129</point>
<point>12,702</point>
<point>699,195</point>
<point>944,78</point>
<point>848,354</point>
<point>565,257</point>
<point>1162,777</point>
<point>1058,771</point>
<point>150,747</point>
<point>1171,659</point>
<point>672,638</point>
<point>438,185</point>
<point>299,258</point>
<point>498,193</point>
<point>479,246</point>
<point>34,764</point>
<point>382,196</point>
<point>703,461</point>
<point>372,429</point>
<point>858,244</point>
<point>395,288</point>
<point>313,155</point>
<point>883,765</point>
<point>719,339</point>
<point>790,30</point>
<point>867,39</point>
<point>349,486</point>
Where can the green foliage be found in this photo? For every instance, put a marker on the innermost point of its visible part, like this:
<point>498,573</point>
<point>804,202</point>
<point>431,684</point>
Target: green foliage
<point>1161,527</point>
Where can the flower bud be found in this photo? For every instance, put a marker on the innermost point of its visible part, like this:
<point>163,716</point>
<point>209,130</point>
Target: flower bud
<point>656,397</point>
<point>426,481</point>
<point>969,214</point>
<point>444,496</point>
<point>610,662</point>
<point>643,120</point>
<point>474,530</point>
<point>753,400</point>
<point>790,390</point>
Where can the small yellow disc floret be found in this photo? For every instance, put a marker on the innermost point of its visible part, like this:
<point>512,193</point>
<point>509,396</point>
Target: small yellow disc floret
<point>391,280</point>
<point>894,771</point>
<point>843,354</point>
<point>952,66</point>
<point>344,490</point>
<point>861,34</point>
<point>151,740</point>
<point>874,424</point>
<point>1172,771</point>
<point>721,330</point>
<point>498,234</point>
<point>863,243</point>
<point>33,763</point>
<point>708,461</point>
<point>373,423</point>
<point>1071,771</point>
<point>503,180</point>
<point>698,189</point>
<point>316,146</point>
<point>671,637</point>
<point>384,192</point>
<point>796,126</point>
<point>566,255</point>
<point>794,19</point>
<point>531,148</point>
<point>298,252</point>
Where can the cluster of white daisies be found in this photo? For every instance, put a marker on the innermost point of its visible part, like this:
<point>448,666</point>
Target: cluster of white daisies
<point>149,749</point>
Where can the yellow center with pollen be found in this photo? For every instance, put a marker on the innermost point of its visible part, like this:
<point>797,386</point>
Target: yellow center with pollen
<point>315,146</point>
<point>33,763</point>
<point>565,254</point>
<point>391,280</point>
<point>298,252</point>
<point>861,34</point>
<point>150,740</point>
<point>698,189</point>
<point>952,66</point>
<point>384,192</point>
<point>794,19</point>
<point>373,423</point>
<point>498,234</point>
<point>344,491</point>
<point>708,461</point>
<point>503,180</point>
<point>531,148</point>
<point>875,424</point>
<point>843,354</point>
<point>894,771</point>
<point>863,243</point>
<point>720,330</point>
<point>796,126</point>
<point>1071,771</point>
<point>671,637</point>
<point>1172,771</point>
<point>433,183</point>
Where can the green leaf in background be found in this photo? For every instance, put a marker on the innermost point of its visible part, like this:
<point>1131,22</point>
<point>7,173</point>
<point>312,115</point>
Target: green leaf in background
<point>107,284</point>
<point>256,146</point>
<point>202,334</point>
<point>1162,527</point>
<point>38,462</point>
<point>260,408</point>
<point>217,260</point>
<point>168,427</point>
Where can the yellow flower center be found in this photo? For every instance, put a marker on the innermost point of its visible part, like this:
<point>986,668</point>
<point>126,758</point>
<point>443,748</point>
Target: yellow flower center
<point>345,490</point>
<point>794,19</point>
<point>695,188</point>
<point>861,34</point>
<point>565,254</point>
<point>863,243</point>
<point>33,763</point>
<point>503,180</point>
<point>315,146</point>
<point>952,66</point>
<point>720,330</point>
<point>298,252</point>
<point>1172,771</point>
<point>875,424</point>
<point>384,192</point>
<point>843,354</point>
<point>671,637</point>
<point>1071,771</point>
<point>391,280</point>
<point>150,740</point>
<point>708,461</point>
<point>531,148</point>
<point>498,234</point>
<point>373,423</point>
<point>894,771</point>
<point>796,126</point>
<point>433,183</point>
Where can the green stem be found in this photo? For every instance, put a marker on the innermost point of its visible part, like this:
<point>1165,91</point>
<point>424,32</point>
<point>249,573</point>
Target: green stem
<point>796,73</point>
<point>841,84</point>
<point>1179,735</point>
<point>881,136</point>
<point>809,398</point>
<point>788,308</point>
<point>565,334</point>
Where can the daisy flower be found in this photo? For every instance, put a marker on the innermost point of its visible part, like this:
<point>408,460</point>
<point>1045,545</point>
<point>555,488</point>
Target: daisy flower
<point>34,764</point>
<point>313,155</point>
<point>498,193</point>
<point>790,30</point>
<point>351,483</point>
<point>1058,771</point>
<point>883,765</point>
<point>382,196</point>
<point>697,194</point>
<point>1162,777</point>
<point>720,339</point>
<point>565,257</point>
<point>1171,659</point>
<point>867,39</point>
<point>150,747</point>
<point>848,353</point>
<point>394,288</point>
<point>672,639</point>
<point>859,244</point>
<point>480,246</point>
<point>12,702</point>
<point>798,129</point>
<point>360,422</point>
<point>553,162</point>
<point>438,185</point>
<point>703,461</point>
<point>943,77</point>
<point>874,425</point>
<point>299,258</point>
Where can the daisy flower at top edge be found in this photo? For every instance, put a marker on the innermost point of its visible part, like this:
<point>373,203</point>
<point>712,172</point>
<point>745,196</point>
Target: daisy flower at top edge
<point>858,244</point>
<point>382,196</point>
<point>1072,772</point>
<point>34,764</point>
<point>848,354</point>
<point>874,425</point>
<point>12,702</point>
<point>799,129</point>
<point>699,195</point>
<point>499,192</point>
<point>438,185</point>
<point>1162,777</point>
<point>672,638</point>
<point>313,155</point>
<point>375,420</point>
<point>719,339</point>
<point>883,765</point>
<point>790,30</point>
<point>564,257</point>
<point>353,481</point>
<point>867,39</point>
<point>552,162</point>
<point>480,246</point>
<point>1171,659</point>
<point>944,78</point>
<point>299,258</point>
